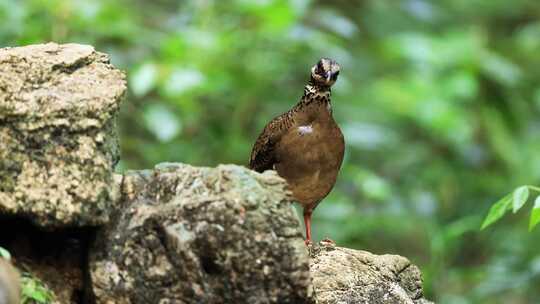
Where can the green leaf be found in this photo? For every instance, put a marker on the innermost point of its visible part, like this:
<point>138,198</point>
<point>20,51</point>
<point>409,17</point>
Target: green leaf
<point>39,296</point>
<point>520,196</point>
<point>497,211</point>
<point>5,254</point>
<point>535,214</point>
<point>34,291</point>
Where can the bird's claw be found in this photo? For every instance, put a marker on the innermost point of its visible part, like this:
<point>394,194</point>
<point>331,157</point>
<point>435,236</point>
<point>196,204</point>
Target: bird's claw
<point>328,242</point>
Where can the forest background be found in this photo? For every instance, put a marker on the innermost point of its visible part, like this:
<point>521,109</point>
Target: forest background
<point>439,102</point>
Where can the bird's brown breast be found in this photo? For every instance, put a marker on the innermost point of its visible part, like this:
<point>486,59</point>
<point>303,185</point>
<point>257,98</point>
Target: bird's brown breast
<point>309,157</point>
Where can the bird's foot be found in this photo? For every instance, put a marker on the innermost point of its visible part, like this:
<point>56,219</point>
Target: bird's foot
<point>327,242</point>
<point>308,242</point>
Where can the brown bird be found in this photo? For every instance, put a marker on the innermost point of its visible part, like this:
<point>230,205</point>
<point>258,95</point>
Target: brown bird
<point>305,145</point>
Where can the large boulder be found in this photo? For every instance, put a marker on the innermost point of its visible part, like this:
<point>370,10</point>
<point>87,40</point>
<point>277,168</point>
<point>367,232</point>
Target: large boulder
<point>202,235</point>
<point>348,276</point>
<point>58,105</point>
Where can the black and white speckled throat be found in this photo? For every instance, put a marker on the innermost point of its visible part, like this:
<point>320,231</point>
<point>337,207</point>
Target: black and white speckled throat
<point>317,94</point>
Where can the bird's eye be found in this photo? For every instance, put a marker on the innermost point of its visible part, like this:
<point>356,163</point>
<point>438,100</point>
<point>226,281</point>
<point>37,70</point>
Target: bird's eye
<point>320,69</point>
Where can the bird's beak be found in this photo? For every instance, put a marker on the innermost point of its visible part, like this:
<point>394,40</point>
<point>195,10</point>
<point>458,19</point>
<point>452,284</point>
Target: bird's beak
<point>328,76</point>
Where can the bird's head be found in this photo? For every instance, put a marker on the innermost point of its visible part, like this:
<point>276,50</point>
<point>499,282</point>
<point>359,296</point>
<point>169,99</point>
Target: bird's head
<point>325,72</point>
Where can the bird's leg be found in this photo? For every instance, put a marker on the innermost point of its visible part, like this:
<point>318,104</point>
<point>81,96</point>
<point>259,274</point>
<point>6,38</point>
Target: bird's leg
<point>307,223</point>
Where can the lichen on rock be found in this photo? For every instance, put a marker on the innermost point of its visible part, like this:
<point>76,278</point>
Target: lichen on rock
<point>58,140</point>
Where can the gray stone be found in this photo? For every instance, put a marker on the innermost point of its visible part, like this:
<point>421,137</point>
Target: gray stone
<point>9,283</point>
<point>58,105</point>
<point>348,276</point>
<point>202,235</point>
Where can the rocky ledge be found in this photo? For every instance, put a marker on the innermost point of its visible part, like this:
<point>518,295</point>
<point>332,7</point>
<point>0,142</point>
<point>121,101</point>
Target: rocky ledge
<point>173,234</point>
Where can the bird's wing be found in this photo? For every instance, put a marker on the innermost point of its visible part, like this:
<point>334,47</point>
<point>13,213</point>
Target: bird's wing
<point>263,153</point>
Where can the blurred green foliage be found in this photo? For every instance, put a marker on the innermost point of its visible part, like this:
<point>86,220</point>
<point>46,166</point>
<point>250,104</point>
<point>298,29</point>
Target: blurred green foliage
<point>34,291</point>
<point>439,102</point>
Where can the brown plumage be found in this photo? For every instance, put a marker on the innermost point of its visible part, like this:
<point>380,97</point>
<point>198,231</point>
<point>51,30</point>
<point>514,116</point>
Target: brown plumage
<point>305,145</point>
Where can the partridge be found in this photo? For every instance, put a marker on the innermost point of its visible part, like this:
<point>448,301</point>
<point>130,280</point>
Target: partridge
<point>305,145</point>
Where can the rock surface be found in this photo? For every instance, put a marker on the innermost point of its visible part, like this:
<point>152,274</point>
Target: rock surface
<point>348,276</point>
<point>9,283</point>
<point>58,105</point>
<point>202,235</point>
